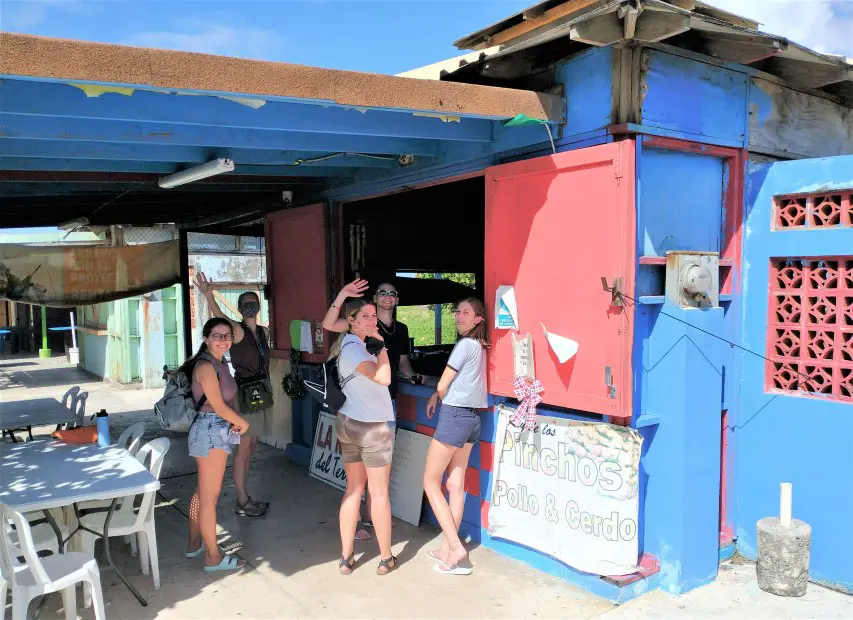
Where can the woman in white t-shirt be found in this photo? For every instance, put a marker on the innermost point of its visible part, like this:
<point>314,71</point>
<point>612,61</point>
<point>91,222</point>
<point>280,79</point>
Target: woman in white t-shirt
<point>463,393</point>
<point>365,428</point>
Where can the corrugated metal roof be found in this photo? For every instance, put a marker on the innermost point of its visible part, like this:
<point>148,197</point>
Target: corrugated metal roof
<point>731,38</point>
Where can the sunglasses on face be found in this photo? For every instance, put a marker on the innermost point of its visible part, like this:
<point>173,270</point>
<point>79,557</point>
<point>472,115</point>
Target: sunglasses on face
<point>392,294</point>
<point>251,305</point>
<point>222,337</point>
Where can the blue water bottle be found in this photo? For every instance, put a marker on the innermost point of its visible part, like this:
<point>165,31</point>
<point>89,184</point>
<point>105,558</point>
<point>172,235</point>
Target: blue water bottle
<point>103,422</point>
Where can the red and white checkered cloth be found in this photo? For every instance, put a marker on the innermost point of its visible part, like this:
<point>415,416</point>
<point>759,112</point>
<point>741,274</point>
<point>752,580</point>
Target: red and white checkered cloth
<point>528,396</point>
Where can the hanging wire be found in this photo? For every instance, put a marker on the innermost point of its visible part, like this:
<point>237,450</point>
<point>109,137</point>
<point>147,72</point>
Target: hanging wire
<point>626,298</point>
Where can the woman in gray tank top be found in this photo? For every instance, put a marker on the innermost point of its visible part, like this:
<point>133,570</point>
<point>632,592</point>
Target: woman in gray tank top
<point>215,429</point>
<point>464,395</point>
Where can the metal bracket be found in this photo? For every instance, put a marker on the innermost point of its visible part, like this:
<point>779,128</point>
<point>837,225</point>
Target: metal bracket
<point>608,382</point>
<point>615,290</point>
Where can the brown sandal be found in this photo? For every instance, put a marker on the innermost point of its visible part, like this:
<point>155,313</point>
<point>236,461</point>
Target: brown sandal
<point>346,565</point>
<point>389,565</point>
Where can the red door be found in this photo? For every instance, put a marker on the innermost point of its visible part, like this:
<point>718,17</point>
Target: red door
<point>554,227</point>
<point>297,272</point>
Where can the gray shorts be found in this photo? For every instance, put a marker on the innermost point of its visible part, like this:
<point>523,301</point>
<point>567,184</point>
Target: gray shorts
<point>370,442</point>
<point>207,433</point>
<point>457,426</point>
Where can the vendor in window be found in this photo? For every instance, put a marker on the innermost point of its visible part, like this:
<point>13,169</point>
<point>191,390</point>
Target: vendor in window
<point>396,337</point>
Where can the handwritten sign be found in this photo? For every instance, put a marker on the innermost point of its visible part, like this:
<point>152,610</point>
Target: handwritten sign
<point>327,464</point>
<point>407,475</point>
<point>570,490</point>
<point>522,348</point>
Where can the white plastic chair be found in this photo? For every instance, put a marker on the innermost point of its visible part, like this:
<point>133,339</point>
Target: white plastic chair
<point>80,403</point>
<point>131,438</point>
<point>69,400</point>
<point>40,576</point>
<point>127,521</point>
<point>44,538</point>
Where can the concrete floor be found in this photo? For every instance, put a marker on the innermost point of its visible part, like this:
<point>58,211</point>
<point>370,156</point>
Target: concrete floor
<point>292,552</point>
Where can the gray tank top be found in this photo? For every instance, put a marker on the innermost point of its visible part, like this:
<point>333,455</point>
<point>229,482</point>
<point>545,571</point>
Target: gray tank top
<point>227,385</point>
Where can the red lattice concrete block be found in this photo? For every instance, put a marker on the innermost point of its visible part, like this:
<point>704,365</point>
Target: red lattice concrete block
<point>826,211</point>
<point>813,211</point>
<point>790,213</point>
<point>810,326</point>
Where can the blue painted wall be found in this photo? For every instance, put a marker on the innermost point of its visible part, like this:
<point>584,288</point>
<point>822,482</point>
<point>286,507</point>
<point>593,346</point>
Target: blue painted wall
<point>681,202</point>
<point>693,97</point>
<point>783,438</point>
<point>588,82</point>
<point>678,371</point>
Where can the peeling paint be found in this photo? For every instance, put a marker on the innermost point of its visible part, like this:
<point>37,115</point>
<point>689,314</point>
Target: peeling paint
<point>96,90</point>
<point>246,101</point>
<point>444,118</point>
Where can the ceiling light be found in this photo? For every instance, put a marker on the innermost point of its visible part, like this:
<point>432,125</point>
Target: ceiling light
<point>196,173</point>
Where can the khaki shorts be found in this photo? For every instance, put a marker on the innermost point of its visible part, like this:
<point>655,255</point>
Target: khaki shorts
<point>371,442</point>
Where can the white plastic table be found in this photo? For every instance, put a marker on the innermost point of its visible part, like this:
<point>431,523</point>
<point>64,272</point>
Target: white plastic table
<point>35,412</point>
<point>40,475</point>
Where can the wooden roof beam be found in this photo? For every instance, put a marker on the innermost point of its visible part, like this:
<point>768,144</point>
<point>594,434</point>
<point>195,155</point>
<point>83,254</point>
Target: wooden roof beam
<point>810,74</point>
<point>546,18</point>
<point>654,26</point>
<point>742,50</point>
<point>600,31</point>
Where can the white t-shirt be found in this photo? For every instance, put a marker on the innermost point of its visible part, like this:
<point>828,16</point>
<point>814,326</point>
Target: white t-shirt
<point>367,401</point>
<point>468,388</point>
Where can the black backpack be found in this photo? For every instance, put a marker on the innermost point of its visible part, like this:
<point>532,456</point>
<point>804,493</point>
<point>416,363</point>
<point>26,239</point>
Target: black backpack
<point>329,392</point>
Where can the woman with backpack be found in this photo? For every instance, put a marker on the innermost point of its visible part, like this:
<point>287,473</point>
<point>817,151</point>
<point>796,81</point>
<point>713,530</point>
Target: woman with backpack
<point>396,336</point>
<point>216,428</point>
<point>250,358</point>
<point>365,427</point>
<point>463,394</point>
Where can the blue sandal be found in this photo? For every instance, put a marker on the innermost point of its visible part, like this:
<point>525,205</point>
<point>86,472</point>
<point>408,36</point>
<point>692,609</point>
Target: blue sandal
<point>196,552</point>
<point>229,562</point>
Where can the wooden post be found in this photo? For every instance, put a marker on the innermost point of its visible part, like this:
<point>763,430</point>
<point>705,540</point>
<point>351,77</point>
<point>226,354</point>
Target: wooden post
<point>186,307</point>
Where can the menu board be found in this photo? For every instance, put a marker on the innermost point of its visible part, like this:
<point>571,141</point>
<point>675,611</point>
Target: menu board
<point>407,475</point>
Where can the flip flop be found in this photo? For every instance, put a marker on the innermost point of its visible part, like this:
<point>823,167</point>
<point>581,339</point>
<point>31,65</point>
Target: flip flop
<point>456,569</point>
<point>435,557</point>
<point>229,562</point>
<point>196,553</point>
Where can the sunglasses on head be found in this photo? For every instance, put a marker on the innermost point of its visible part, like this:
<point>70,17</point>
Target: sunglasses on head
<point>393,294</point>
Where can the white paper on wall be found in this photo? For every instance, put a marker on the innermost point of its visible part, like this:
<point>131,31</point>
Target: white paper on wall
<point>564,348</point>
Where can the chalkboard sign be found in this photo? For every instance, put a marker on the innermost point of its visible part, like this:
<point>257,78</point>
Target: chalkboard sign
<point>407,475</point>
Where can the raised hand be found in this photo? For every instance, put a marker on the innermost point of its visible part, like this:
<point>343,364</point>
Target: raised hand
<point>203,285</point>
<point>355,288</point>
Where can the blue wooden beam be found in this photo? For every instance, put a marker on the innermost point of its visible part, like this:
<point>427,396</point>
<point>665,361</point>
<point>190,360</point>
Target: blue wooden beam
<point>65,100</point>
<point>63,149</point>
<point>29,126</point>
<point>109,165</point>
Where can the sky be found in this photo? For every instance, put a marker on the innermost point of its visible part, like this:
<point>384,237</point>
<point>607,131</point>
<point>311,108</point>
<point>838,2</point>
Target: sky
<point>382,36</point>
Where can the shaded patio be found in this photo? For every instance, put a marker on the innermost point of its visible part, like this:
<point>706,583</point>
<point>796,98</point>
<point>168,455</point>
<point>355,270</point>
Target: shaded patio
<point>292,553</point>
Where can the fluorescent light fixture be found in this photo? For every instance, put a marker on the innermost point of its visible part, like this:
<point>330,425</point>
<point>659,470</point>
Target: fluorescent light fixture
<point>74,224</point>
<point>196,173</point>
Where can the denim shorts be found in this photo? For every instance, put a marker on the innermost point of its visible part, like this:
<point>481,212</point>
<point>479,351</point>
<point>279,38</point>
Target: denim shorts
<point>207,433</point>
<point>457,426</point>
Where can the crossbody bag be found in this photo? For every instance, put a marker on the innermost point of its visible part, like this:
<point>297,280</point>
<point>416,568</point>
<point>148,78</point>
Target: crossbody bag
<point>255,393</point>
